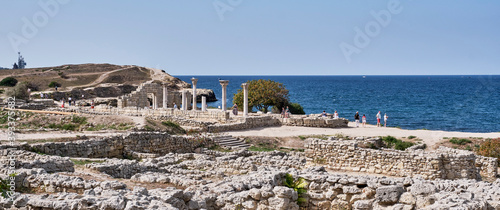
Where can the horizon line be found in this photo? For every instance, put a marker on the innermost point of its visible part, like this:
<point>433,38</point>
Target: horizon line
<point>336,75</point>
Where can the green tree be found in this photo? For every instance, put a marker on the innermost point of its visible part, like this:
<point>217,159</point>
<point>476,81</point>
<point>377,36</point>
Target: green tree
<point>8,81</point>
<point>262,94</point>
<point>20,91</point>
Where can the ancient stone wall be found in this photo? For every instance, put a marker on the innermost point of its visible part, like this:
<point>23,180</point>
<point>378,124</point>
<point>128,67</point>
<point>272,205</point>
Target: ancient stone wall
<point>443,163</point>
<point>117,146</point>
<point>151,90</point>
<point>247,123</point>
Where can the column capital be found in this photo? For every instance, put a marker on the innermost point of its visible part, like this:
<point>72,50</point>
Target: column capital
<point>224,83</point>
<point>244,85</point>
<point>194,80</point>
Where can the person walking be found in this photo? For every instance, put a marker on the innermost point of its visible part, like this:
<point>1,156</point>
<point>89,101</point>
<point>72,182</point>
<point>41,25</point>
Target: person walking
<point>287,112</point>
<point>69,101</point>
<point>175,106</point>
<point>385,119</point>
<point>282,112</point>
<point>378,119</point>
<point>364,120</point>
<point>92,104</point>
<point>356,119</point>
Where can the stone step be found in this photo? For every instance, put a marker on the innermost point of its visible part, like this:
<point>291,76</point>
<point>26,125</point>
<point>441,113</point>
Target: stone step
<point>229,141</point>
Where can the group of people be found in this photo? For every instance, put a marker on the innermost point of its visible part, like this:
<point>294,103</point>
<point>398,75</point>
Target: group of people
<point>356,119</point>
<point>73,102</point>
<point>285,113</point>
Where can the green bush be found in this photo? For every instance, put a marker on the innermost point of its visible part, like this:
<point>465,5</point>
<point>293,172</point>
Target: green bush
<point>69,127</point>
<point>411,137</point>
<point>8,81</point>
<point>54,84</point>
<point>490,148</point>
<point>296,108</point>
<point>298,185</point>
<point>395,143</point>
<point>260,149</point>
<point>460,141</point>
<point>20,91</point>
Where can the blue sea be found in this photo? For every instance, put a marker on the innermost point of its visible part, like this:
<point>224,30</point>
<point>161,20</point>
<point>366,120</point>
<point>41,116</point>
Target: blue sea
<point>450,103</point>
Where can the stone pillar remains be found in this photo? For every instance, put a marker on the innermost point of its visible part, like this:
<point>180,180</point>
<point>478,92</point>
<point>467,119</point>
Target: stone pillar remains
<point>155,101</point>
<point>184,100</point>
<point>204,103</point>
<point>165,94</point>
<point>224,83</point>
<point>194,80</point>
<point>245,99</point>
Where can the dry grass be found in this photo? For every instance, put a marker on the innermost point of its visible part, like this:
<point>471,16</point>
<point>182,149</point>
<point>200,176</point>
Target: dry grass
<point>77,75</point>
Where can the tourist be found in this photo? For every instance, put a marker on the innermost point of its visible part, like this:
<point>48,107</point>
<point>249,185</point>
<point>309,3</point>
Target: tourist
<point>175,106</point>
<point>282,112</point>
<point>378,119</point>
<point>92,104</point>
<point>287,112</point>
<point>356,119</point>
<point>324,114</point>
<point>62,103</point>
<point>56,87</point>
<point>364,120</point>
<point>335,115</point>
<point>385,119</point>
<point>41,95</point>
<point>235,110</point>
<point>69,101</point>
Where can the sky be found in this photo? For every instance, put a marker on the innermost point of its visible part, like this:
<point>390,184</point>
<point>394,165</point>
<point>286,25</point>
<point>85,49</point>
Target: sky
<point>258,37</point>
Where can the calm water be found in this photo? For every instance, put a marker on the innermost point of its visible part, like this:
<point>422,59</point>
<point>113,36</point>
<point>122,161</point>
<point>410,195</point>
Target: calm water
<point>451,103</point>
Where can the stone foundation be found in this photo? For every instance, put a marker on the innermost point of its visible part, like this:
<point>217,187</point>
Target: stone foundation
<point>445,163</point>
<point>117,146</point>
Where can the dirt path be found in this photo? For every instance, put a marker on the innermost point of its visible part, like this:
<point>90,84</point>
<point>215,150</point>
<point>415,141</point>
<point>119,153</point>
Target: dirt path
<point>429,137</point>
<point>100,78</point>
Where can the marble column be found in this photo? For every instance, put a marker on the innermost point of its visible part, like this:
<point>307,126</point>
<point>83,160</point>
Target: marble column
<point>204,103</point>
<point>224,84</point>
<point>245,99</point>
<point>184,100</point>
<point>165,94</point>
<point>155,101</point>
<point>194,80</point>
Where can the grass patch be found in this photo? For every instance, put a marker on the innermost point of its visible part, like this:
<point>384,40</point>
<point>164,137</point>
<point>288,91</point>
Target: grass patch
<point>397,144</point>
<point>174,127</point>
<point>411,137</point>
<point>460,141</point>
<point>322,137</point>
<point>84,162</point>
<point>219,148</point>
<point>260,149</point>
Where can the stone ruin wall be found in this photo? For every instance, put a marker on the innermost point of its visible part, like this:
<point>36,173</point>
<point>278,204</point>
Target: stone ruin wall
<point>139,97</point>
<point>442,164</point>
<point>117,146</point>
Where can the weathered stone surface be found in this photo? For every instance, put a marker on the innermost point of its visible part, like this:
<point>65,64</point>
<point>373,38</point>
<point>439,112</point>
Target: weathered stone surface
<point>388,194</point>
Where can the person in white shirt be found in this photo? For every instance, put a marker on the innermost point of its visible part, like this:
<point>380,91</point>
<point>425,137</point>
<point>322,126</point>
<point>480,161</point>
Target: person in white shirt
<point>335,115</point>
<point>378,119</point>
<point>385,120</point>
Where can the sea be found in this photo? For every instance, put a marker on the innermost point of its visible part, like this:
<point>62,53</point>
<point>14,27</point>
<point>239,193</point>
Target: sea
<point>449,103</point>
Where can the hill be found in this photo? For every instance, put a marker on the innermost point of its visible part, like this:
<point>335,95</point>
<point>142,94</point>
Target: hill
<point>90,75</point>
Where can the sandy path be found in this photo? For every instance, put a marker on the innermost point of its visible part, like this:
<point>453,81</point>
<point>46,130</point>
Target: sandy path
<point>100,78</point>
<point>429,137</point>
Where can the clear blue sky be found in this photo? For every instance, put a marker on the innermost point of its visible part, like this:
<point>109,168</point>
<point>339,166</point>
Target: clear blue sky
<point>258,37</point>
